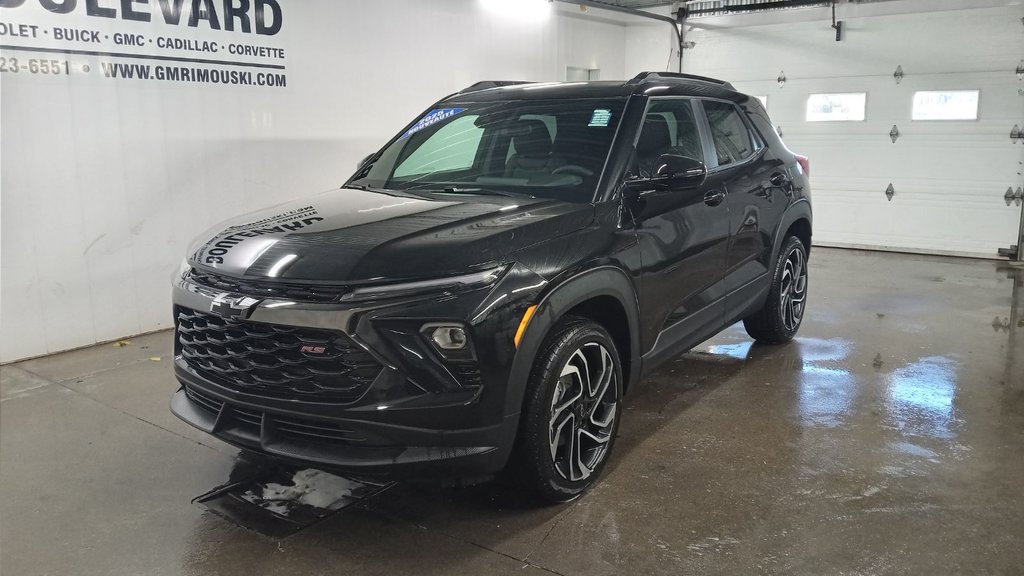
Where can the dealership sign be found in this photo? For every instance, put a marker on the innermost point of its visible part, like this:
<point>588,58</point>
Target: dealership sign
<point>183,41</point>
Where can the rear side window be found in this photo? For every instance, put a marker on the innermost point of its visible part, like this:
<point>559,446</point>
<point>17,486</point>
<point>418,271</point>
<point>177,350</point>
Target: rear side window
<point>733,141</point>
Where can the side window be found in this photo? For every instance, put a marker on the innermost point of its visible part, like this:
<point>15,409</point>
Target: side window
<point>452,147</point>
<point>733,141</point>
<point>669,128</point>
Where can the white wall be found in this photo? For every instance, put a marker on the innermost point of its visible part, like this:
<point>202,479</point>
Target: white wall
<point>651,45</point>
<point>949,176</point>
<point>104,181</point>
<point>801,36</point>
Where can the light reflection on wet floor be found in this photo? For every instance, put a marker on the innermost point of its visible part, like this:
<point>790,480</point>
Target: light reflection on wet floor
<point>888,438</point>
<point>878,416</point>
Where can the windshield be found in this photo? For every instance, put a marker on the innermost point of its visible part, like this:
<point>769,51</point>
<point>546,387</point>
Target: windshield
<point>547,148</point>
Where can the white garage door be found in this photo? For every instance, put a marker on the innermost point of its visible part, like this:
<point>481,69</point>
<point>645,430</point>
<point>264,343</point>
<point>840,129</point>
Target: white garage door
<point>948,177</point>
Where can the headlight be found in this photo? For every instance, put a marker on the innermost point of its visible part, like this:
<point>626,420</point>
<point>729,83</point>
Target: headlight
<point>440,285</point>
<point>184,268</point>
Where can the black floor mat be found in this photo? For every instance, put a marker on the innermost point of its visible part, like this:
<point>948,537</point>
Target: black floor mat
<point>278,501</point>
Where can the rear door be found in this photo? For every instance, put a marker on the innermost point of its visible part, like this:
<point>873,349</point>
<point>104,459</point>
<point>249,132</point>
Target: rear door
<point>757,187</point>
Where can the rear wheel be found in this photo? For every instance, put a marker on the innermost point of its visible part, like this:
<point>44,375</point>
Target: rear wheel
<point>571,411</point>
<point>783,312</point>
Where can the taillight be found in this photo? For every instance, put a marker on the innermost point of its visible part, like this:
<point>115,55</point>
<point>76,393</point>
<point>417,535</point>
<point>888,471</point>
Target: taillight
<point>805,164</point>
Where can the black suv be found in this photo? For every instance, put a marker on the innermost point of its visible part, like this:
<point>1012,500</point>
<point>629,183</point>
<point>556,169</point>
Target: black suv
<point>483,291</point>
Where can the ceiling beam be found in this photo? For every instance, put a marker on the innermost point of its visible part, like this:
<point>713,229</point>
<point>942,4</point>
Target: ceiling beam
<point>677,25</point>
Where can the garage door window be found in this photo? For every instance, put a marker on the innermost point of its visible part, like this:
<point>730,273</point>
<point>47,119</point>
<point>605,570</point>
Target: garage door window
<point>733,141</point>
<point>836,107</point>
<point>946,105</point>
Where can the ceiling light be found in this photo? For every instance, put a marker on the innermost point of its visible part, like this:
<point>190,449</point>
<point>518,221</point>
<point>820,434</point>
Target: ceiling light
<point>519,9</point>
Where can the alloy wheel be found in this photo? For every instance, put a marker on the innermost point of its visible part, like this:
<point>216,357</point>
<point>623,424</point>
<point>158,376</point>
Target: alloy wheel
<point>793,292</point>
<point>583,411</point>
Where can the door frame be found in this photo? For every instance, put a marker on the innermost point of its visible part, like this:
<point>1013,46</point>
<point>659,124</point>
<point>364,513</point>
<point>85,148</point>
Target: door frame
<point>698,118</point>
<point>760,145</point>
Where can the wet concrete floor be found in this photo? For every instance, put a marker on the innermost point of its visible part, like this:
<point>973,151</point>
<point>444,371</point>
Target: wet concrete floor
<point>887,439</point>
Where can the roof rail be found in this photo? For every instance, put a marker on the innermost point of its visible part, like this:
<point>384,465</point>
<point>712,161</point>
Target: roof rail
<point>488,84</point>
<point>650,76</point>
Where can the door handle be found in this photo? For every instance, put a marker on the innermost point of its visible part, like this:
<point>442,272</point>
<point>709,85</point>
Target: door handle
<point>714,197</point>
<point>778,179</point>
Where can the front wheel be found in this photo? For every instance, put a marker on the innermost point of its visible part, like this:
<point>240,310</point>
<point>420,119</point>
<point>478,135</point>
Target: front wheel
<point>571,411</point>
<point>783,312</point>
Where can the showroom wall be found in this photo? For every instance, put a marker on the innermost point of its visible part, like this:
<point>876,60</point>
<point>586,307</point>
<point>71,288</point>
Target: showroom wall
<point>948,177</point>
<point>105,177</point>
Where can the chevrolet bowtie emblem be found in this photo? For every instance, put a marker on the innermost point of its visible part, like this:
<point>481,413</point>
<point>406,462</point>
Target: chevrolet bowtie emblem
<point>233,306</point>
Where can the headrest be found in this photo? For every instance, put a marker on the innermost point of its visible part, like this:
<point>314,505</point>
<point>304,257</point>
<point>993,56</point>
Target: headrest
<point>654,136</point>
<point>531,138</point>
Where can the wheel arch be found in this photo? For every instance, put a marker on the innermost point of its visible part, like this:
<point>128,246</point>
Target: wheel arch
<point>605,295</point>
<point>797,221</point>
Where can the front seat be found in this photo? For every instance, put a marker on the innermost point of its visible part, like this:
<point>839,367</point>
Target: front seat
<point>532,156</point>
<point>655,140</point>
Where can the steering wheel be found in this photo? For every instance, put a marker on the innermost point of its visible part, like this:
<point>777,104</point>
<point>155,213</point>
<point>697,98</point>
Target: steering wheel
<point>573,169</point>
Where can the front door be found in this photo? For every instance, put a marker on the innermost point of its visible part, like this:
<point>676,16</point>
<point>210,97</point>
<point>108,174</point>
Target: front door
<point>683,237</point>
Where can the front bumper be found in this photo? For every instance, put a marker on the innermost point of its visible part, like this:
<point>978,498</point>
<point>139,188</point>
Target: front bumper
<point>351,446</point>
<point>419,418</point>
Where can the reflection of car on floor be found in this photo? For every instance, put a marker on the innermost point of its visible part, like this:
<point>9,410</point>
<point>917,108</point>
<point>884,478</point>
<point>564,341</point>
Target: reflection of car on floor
<point>483,291</point>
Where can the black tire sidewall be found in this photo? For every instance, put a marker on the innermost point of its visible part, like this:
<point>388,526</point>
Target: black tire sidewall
<point>569,335</point>
<point>766,325</point>
<point>793,243</point>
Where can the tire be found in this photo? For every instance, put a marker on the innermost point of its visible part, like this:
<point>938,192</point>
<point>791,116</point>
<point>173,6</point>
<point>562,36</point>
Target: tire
<point>572,408</point>
<point>783,312</point>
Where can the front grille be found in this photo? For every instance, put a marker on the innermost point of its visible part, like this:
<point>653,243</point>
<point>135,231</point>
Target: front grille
<point>250,417</point>
<point>287,426</point>
<point>281,361</point>
<point>261,289</point>
<point>210,404</point>
<point>467,374</point>
<point>316,431</point>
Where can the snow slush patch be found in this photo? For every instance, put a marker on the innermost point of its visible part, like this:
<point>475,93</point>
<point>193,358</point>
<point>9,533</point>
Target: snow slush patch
<point>279,501</point>
<point>311,487</point>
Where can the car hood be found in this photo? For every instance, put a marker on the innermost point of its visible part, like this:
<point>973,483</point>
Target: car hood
<point>357,236</point>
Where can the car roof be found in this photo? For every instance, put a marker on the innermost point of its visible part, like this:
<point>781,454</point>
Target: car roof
<point>646,83</point>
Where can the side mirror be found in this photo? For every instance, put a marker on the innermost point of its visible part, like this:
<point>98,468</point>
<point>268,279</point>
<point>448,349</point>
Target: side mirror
<point>671,172</point>
<point>363,161</point>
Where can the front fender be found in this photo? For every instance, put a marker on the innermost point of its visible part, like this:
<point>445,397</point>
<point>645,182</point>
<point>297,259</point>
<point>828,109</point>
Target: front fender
<point>602,281</point>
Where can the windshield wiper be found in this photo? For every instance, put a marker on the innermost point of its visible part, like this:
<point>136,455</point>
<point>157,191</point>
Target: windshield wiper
<point>369,188</point>
<point>464,190</point>
<point>475,190</point>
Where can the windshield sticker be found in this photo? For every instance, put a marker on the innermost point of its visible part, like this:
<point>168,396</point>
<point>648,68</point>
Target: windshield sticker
<point>432,117</point>
<point>601,117</point>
